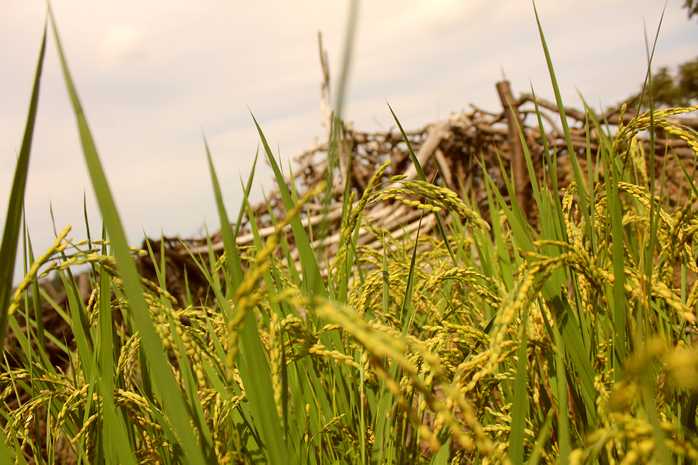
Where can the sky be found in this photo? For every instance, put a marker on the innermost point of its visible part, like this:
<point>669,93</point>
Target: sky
<point>155,76</point>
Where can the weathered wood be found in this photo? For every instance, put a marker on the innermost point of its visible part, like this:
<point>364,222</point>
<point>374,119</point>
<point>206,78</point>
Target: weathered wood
<point>437,133</point>
<point>518,163</point>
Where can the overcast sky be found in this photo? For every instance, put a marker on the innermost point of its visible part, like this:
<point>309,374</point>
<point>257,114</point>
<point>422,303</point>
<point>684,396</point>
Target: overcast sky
<point>152,75</point>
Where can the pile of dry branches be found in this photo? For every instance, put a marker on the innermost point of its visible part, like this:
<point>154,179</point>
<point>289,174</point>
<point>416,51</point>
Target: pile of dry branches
<point>454,153</point>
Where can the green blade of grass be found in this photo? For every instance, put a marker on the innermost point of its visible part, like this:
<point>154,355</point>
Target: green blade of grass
<point>422,177</point>
<point>617,298</point>
<point>618,255</point>
<point>10,237</point>
<point>563,422</point>
<point>36,304</point>
<point>13,222</point>
<point>407,310</point>
<point>234,267</point>
<point>519,409</point>
<point>78,320</point>
<point>352,21</point>
<point>543,436</point>
<point>112,423</point>
<point>246,194</point>
<point>178,415</point>
<point>578,178</point>
<point>442,456</point>
<point>311,272</point>
<point>252,362</point>
<point>653,216</point>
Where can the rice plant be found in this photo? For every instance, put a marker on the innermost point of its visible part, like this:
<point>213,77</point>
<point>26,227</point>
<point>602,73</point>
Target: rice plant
<point>569,339</point>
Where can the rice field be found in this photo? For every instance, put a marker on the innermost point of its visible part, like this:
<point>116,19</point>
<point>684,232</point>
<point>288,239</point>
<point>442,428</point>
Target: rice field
<point>566,340</point>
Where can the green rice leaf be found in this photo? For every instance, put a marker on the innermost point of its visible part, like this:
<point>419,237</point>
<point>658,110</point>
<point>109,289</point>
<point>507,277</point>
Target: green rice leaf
<point>578,178</point>
<point>252,361</point>
<point>178,416</point>
<point>13,219</point>
<point>311,272</point>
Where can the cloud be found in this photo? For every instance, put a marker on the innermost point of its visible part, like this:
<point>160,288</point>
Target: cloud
<point>120,44</point>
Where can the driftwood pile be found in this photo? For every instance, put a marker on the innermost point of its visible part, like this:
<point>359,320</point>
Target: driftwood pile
<point>454,153</point>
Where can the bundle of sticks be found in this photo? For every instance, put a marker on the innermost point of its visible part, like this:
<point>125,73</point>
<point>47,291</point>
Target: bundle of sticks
<point>458,153</point>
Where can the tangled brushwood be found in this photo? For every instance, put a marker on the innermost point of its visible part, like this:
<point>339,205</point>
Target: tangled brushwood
<point>482,334</point>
